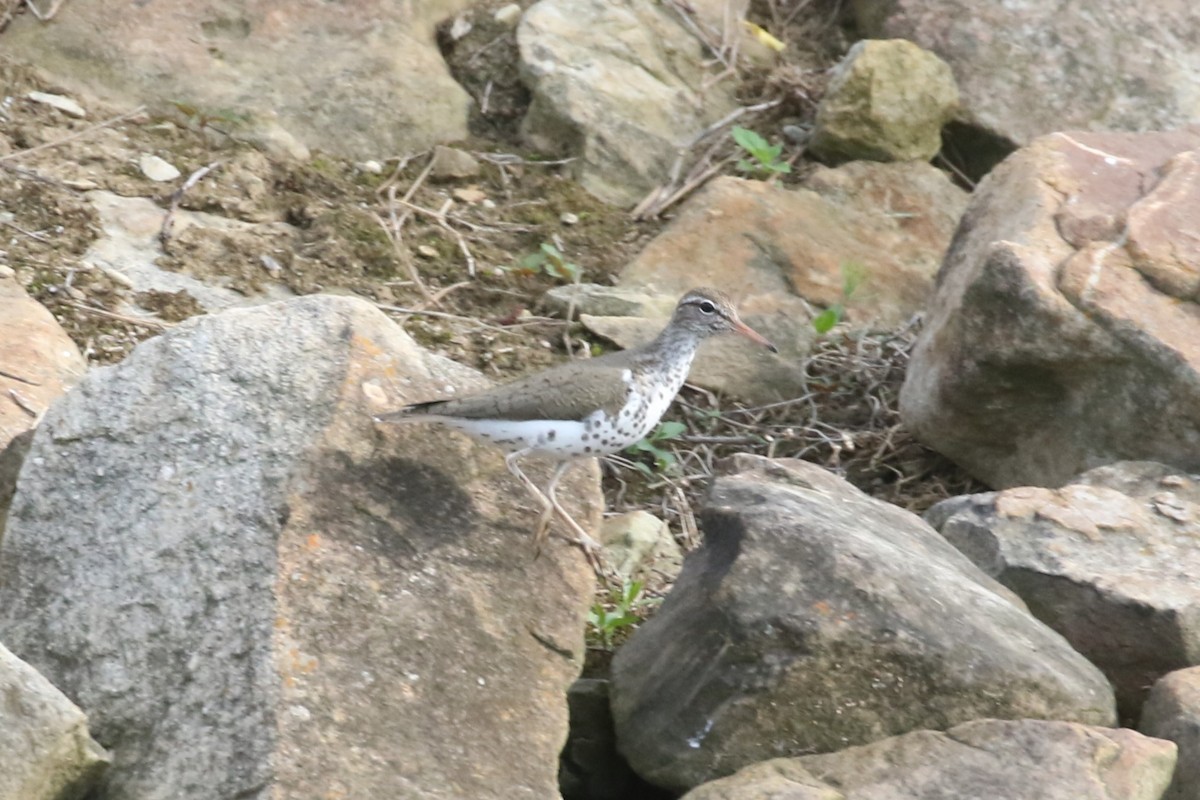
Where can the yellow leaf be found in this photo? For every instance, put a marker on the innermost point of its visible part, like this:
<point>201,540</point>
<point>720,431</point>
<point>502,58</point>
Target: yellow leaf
<point>761,34</point>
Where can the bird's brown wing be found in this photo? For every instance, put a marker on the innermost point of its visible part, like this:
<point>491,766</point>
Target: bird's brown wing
<point>570,392</point>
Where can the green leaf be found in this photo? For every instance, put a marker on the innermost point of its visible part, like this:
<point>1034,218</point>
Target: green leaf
<point>631,591</point>
<point>854,275</point>
<point>551,251</point>
<point>824,322</point>
<point>642,468</point>
<point>533,261</point>
<point>668,430</point>
<point>749,140</point>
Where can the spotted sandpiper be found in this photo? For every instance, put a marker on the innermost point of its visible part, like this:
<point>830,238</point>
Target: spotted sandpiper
<point>590,407</point>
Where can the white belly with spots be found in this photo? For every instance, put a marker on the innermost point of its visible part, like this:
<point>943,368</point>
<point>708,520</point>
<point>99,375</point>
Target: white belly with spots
<point>598,434</point>
<point>550,436</point>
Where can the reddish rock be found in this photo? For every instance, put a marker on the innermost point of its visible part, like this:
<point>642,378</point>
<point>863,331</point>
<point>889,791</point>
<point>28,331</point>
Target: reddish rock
<point>758,240</point>
<point>38,361</point>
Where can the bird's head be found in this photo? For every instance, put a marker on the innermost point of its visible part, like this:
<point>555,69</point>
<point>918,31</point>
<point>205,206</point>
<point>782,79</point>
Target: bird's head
<point>706,312</point>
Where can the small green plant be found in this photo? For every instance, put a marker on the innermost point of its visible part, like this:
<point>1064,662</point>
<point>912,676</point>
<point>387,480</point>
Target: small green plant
<point>766,162</point>
<point>663,459</point>
<point>550,260</point>
<point>605,622</point>
<point>202,118</point>
<point>853,276</point>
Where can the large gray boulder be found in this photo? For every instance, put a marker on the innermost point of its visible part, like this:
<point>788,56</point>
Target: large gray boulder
<point>815,617</point>
<point>1110,561</point>
<point>255,591</point>
<point>1173,712</point>
<point>364,80</point>
<point>1027,69</point>
<point>46,752</point>
<point>1013,760</point>
<point>1066,307</point>
<point>619,85</point>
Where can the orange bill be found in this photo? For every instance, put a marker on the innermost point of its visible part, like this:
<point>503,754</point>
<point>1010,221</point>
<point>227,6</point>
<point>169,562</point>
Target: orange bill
<point>753,335</point>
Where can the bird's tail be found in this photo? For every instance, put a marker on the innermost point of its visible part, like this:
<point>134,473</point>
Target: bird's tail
<point>411,413</point>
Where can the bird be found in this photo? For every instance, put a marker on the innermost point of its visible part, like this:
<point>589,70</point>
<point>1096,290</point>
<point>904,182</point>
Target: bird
<point>588,407</point>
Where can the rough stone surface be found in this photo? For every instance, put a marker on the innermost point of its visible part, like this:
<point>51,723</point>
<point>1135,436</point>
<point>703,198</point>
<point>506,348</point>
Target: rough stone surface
<point>452,163</point>
<point>294,75</point>
<point>1110,561</point>
<point>1027,69</point>
<point>255,591</point>
<point>38,362</point>
<point>887,101</point>
<point>815,617</point>
<point>777,779</point>
<point>765,245</point>
<point>599,300</point>
<point>1066,307</point>
<point>45,749</point>
<point>762,241</point>
<point>1172,712</point>
<point>620,86</point>
<point>129,245</point>
<point>637,543</point>
<point>1021,760</point>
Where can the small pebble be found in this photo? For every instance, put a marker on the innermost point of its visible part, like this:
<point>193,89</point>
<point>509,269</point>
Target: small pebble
<point>507,15</point>
<point>796,134</point>
<point>372,167</point>
<point>117,276</point>
<point>81,185</point>
<point>567,218</point>
<point>427,251</point>
<point>460,27</point>
<point>449,162</point>
<point>271,265</point>
<point>63,104</point>
<point>157,169</point>
<point>470,194</point>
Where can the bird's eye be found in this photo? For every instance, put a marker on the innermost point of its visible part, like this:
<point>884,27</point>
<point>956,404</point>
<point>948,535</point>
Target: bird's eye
<point>707,307</point>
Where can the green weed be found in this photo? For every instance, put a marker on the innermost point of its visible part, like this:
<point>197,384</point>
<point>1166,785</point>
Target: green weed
<point>604,623</point>
<point>550,260</point>
<point>664,460</point>
<point>764,158</point>
<point>854,275</point>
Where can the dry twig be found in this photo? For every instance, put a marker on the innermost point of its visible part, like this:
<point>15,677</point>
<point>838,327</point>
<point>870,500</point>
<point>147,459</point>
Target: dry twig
<point>72,137</point>
<point>146,322</point>
<point>168,223</point>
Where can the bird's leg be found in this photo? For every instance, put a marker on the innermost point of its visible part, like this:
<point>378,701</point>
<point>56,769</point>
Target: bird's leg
<point>549,507</point>
<point>510,461</point>
<point>543,527</point>
<point>583,540</point>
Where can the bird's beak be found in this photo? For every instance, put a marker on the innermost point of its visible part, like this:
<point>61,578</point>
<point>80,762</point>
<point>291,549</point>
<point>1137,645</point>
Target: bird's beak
<point>753,335</point>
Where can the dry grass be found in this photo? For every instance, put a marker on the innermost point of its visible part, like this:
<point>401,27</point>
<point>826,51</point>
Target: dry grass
<point>847,420</point>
